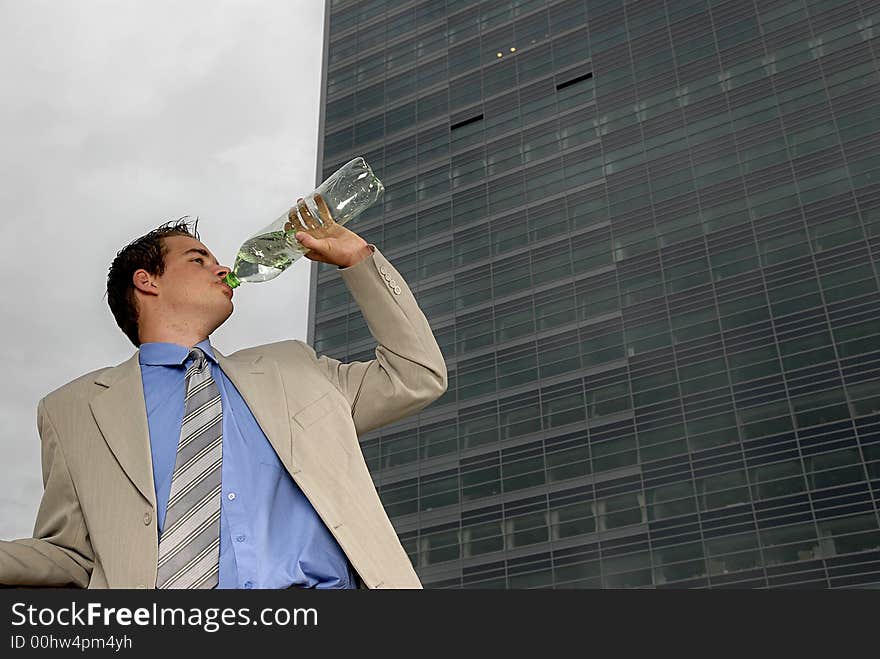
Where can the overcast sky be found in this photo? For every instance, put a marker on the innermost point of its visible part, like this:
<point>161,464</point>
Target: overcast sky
<point>116,116</point>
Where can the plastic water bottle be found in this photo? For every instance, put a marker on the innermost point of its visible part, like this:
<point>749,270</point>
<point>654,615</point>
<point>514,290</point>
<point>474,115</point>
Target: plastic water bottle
<point>345,194</point>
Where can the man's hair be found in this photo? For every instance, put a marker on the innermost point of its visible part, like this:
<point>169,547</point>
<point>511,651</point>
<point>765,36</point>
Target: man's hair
<point>147,252</point>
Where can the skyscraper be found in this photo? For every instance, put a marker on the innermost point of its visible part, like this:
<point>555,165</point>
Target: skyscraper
<point>646,235</point>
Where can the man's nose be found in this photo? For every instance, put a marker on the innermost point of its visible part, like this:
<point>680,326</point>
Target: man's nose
<point>222,271</point>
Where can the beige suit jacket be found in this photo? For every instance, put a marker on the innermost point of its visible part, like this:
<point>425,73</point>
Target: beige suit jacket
<point>96,524</point>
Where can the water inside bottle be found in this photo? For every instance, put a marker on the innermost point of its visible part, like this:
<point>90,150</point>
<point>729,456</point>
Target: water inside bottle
<point>264,257</point>
<point>341,197</point>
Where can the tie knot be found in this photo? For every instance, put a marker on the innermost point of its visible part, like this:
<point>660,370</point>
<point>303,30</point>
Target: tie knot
<point>199,360</point>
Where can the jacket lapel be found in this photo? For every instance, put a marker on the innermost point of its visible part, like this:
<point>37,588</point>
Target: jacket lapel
<point>121,415</point>
<point>121,412</point>
<point>259,383</point>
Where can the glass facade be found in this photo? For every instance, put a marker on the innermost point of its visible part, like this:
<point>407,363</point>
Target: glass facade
<point>647,236</point>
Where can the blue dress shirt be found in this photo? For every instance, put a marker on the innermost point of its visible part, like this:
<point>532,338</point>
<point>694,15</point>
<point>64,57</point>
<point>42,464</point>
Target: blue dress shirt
<point>270,535</point>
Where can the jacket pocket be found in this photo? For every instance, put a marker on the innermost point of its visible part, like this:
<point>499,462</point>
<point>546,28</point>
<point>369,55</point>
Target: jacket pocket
<point>313,412</point>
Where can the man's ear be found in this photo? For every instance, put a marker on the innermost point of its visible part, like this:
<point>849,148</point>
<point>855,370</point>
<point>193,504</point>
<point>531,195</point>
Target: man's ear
<point>145,282</point>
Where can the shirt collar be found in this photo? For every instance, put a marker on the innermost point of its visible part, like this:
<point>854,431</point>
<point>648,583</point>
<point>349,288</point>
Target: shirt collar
<point>171,354</point>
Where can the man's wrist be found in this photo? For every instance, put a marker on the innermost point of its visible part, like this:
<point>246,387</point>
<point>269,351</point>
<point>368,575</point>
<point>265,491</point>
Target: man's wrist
<point>361,255</point>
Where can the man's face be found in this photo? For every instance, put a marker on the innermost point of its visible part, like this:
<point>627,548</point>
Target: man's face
<point>191,289</point>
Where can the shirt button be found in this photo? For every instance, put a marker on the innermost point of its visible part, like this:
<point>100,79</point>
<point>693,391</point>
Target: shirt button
<point>231,496</point>
<point>248,584</point>
<point>239,538</point>
<point>147,519</point>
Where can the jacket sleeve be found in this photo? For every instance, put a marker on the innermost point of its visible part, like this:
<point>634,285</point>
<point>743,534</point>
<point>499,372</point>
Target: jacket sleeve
<point>409,371</point>
<point>59,554</point>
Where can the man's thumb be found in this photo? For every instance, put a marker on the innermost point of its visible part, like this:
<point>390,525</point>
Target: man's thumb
<point>306,239</point>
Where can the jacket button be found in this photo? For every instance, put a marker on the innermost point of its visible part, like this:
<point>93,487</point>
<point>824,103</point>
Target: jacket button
<point>383,269</point>
<point>397,290</point>
<point>392,283</point>
<point>141,586</point>
<point>147,519</point>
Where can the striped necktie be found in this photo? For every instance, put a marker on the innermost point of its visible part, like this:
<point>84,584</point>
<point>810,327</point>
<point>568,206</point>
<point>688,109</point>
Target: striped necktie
<point>189,549</point>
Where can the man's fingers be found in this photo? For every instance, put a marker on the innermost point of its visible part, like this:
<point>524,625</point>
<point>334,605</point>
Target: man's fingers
<point>306,215</point>
<point>339,247</point>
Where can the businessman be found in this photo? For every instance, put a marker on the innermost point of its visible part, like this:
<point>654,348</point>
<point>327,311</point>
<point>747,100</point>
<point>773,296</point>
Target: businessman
<point>185,468</point>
